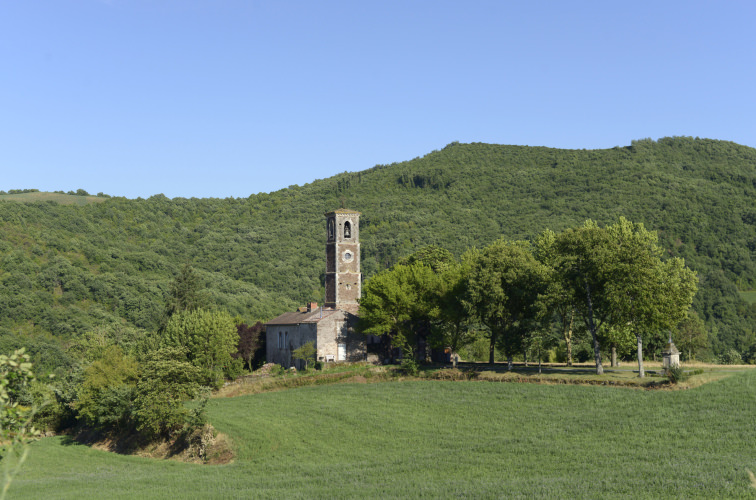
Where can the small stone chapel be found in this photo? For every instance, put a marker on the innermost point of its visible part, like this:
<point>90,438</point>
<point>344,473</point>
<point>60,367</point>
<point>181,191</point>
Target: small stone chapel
<point>330,326</point>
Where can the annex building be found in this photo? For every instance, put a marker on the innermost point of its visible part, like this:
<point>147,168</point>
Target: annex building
<point>330,326</point>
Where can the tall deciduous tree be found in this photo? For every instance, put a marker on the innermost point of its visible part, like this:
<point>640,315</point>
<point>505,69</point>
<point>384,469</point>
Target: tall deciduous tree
<point>210,337</point>
<point>452,328</point>
<point>250,339</point>
<point>503,287</point>
<point>558,298</point>
<point>617,277</point>
<point>395,300</point>
<point>691,336</point>
<point>583,255</point>
<point>651,295</point>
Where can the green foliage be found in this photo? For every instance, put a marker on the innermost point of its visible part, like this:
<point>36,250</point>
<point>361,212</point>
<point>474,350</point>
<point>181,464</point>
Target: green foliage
<point>168,380</point>
<point>209,337</point>
<point>410,366</point>
<point>107,391</point>
<point>15,420</point>
<point>305,353</point>
<point>691,336</point>
<point>730,357</point>
<point>65,269</point>
<point>396,301</point>
<point>502,292</point>
<point>676,374</point>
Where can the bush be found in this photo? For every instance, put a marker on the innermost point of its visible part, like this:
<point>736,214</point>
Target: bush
<point>730,357</point>
<point>410,366</point>
<point>676,374</point>
<point>234,368</point>
<point>318,365</point>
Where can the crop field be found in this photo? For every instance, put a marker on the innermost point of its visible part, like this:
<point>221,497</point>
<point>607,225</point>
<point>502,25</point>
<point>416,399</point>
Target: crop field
<point>431,439</point>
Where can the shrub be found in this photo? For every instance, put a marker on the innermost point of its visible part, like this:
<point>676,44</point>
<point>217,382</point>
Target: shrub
<point>318,365</point>
<point>676,374</point>
<point>730,357</point>
<point>234,368</point>
<point>410,366</point>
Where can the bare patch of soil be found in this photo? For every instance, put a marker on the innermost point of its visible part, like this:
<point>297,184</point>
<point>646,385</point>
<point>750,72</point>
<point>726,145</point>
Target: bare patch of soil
<point>202,446</point>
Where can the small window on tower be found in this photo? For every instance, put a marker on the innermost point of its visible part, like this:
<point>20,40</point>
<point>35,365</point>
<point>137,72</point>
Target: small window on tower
<point>330,229</point>
<point>347,230</point>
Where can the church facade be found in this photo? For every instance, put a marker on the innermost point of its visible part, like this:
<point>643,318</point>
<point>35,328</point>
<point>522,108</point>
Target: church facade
<point>330,326</point>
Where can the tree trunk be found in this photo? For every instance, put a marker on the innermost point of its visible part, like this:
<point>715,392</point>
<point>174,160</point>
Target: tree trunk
<point>568,338</point>
<point>492,347</point>
<point>594,333</point>
<point>614,356</point>
<point>509,362</point>
<point>539,361</point>
<point>525,357</point>
<point>641,373</point>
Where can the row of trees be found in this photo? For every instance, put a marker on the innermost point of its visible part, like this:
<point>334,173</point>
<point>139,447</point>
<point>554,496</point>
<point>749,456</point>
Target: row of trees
<point>65,269</point>
<point>610,280</point>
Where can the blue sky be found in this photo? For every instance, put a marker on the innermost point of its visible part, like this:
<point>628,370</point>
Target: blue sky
<point>231,98</point>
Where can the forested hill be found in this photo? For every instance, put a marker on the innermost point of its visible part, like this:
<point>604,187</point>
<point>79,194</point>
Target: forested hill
<point>68,268</point>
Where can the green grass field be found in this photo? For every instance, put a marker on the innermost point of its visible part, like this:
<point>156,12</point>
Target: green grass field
<point>63,199</point>
<point>441,439</point>
<point>749,296</point>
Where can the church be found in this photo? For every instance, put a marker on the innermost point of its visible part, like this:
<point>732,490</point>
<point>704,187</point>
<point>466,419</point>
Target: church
<point>330,326</point>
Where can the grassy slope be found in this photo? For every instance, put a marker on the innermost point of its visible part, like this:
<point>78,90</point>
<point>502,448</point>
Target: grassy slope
<point>63,199</point>
<point>438,439</point>
<point>749,296</point>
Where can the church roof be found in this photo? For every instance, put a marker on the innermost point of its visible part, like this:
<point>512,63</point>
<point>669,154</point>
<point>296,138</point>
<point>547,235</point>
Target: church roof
<point>297,317</point>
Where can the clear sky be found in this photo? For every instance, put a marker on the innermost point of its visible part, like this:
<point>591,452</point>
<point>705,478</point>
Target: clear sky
<point>223,98</point>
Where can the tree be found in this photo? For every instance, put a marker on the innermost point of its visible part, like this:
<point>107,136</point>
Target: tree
<point>618,338</point>
<point>209,337</point>
<point>184,294</point>
<point>649,294</point>
<point>167,381</point>
<point>394,301</point>
<point>502,291</point>
<point>582,255</point>
<point>249,341</point>
<point>16,430</point>
<point>617,277</point>
<point>452,328</point>
<point>558,298</point>
<point>691,336</point>
<point>107,391</point>
<point>305,353</point>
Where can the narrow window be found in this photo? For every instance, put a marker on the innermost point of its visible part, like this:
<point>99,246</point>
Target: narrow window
<point>286,339</point>
<point>280,340</point>
<point>347,230</point>
<point>330,229</point>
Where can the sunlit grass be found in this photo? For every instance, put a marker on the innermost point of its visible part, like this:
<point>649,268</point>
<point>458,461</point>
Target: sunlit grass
<point>442,439</point>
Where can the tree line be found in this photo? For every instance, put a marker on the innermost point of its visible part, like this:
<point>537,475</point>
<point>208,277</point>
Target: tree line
<point>611,283</point>
<point>69,269</point>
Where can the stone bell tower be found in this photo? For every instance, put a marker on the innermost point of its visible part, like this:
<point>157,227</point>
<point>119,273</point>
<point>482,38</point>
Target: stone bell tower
<point>343,281</point>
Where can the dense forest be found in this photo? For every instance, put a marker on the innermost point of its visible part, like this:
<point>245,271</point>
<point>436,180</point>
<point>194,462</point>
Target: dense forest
<point>68,268</point>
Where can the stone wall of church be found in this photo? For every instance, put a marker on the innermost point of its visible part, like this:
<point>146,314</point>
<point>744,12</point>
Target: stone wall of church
<point>294,336</point>
<point>338,328</point>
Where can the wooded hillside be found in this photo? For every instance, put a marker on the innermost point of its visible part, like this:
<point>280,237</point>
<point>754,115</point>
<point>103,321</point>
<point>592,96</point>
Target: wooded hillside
<point>65,269</point>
